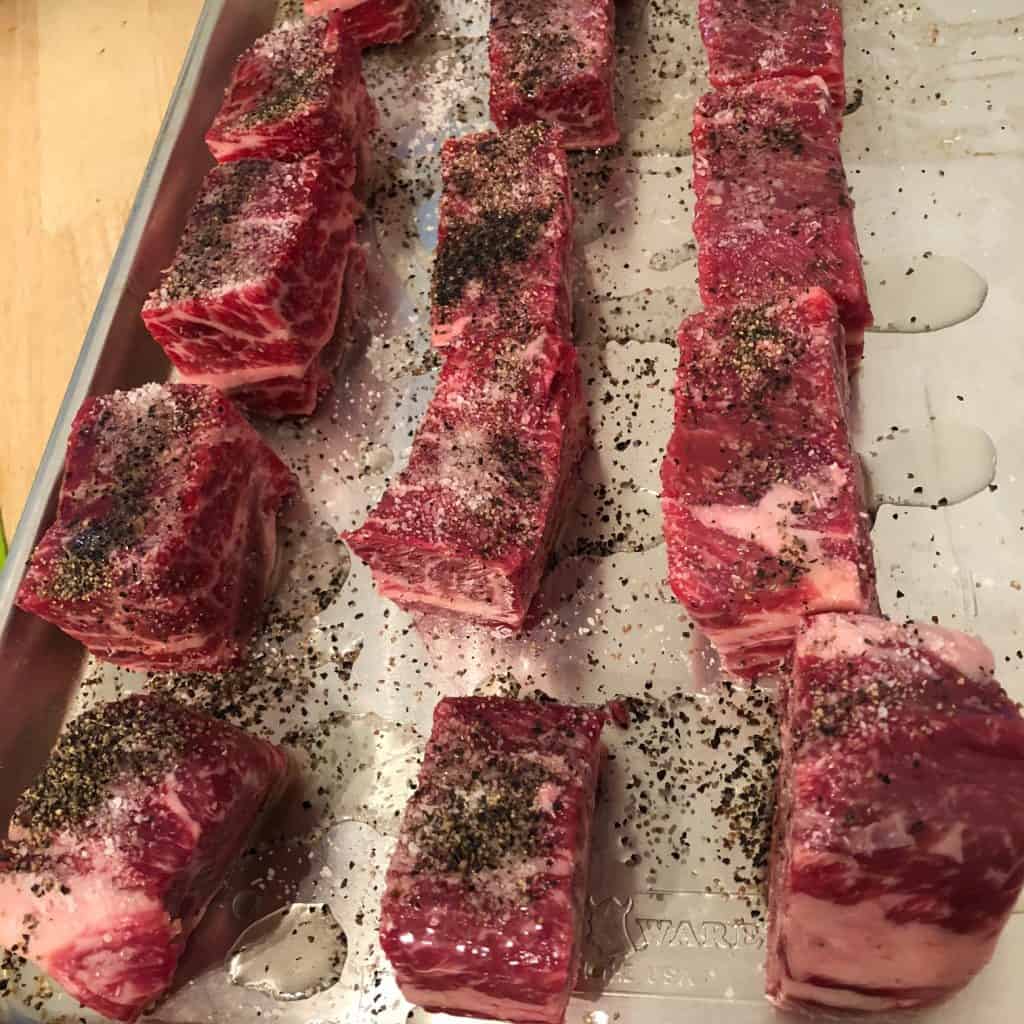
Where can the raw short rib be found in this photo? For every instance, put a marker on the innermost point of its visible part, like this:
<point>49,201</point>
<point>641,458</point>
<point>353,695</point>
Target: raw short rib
<point>284,397</point>
<point>750,40</point>
<point>371,22</point>
<point>163,549</point>
<point>254,290</point>
<point>556,63</point>
<point>504,238</point>
<point>116,851</point>
<point>761,492</point>
<point>899,839</point>
<point>773,209</point>
<point>468,525</point>
<point>297,90</point>
<point>484,901</point>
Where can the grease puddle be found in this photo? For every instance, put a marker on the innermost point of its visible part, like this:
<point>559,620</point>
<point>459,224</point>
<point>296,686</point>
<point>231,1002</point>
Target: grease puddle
<point>291,954</point>
<point>925,293</point>
<point>942,464</point>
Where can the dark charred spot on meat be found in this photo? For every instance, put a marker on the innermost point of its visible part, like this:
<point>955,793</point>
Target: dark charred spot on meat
<point>108,747</point>
<point>480,250</point>
<point>134,440</point>
<point>82,568</point>
<point>519,466</point>
<point>93,542</point>
<point>784,137</point>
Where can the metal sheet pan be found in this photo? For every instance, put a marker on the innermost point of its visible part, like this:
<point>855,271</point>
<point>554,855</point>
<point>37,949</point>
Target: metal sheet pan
<point>676,930</point>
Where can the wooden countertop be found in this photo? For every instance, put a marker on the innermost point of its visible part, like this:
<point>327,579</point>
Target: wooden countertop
<point>85,87</point>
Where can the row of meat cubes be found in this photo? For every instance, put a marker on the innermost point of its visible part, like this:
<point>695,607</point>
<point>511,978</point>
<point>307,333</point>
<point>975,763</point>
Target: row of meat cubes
<point>116,850</point>
<point>262,294</point>
<point>483,909</point>
<point>899,843</point>
<point>246,309</point>
<point>256,310</point>
<point>898,851</point>
<point>114,853</point>
<point>259,304</point>
<point>261,297</point>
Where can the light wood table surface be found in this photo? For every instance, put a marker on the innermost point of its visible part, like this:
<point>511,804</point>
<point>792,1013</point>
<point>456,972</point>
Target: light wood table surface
<point>85,84</point>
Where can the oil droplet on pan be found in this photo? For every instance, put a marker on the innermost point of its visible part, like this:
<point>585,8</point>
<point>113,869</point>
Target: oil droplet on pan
<point>290,954</point>
<point>915,295</point>
<point>941,464</point>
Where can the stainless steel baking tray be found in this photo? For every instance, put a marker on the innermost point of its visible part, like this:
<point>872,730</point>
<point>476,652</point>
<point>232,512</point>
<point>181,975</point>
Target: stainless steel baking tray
<point>676,930</point>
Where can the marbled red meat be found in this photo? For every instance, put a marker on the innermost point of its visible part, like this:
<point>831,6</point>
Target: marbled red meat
<point>773,209</point>
<point>899,843</point>
<point>284,397</point>
<point>763,508</point>
<point>750,40</point>
<point>297,90</point>
<point>119,846</point>
<point>504,239</point>
<point>468,525</point>
<point>484,900</point>
<point>371,22</point>
<point>164,544</point>
<point>555,63</point>
<point>255,287</point>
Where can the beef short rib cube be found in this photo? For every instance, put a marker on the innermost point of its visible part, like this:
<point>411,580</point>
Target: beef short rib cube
<point>556,63</point>
<point>371,22</point>
<point>761,493</point>
<point>484,899</point>
<point>254,290</point>
<point>283,397</point>
<point>468,525</point>
<point>750,40</point>
<point>116,851</point>
<point>899,844</point>
<point>773,209</point>
<point>163,549</point>
<point>504,237</point>
<point>297,90</point>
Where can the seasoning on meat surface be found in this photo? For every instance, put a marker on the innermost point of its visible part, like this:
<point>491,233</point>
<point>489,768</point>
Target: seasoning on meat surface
<point>899,840</point>
<point>255,287</point>
<point>163,548</point>
<point>297,90</point>
<point>750,40</point>
<point>504,239</point>
<point>556,63</point>
<point>773,209</point>
<point>371,22</point>
<point>119,846</point>
<point>763,507</point>
<point>484,901</point>
<point>468,525</point>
